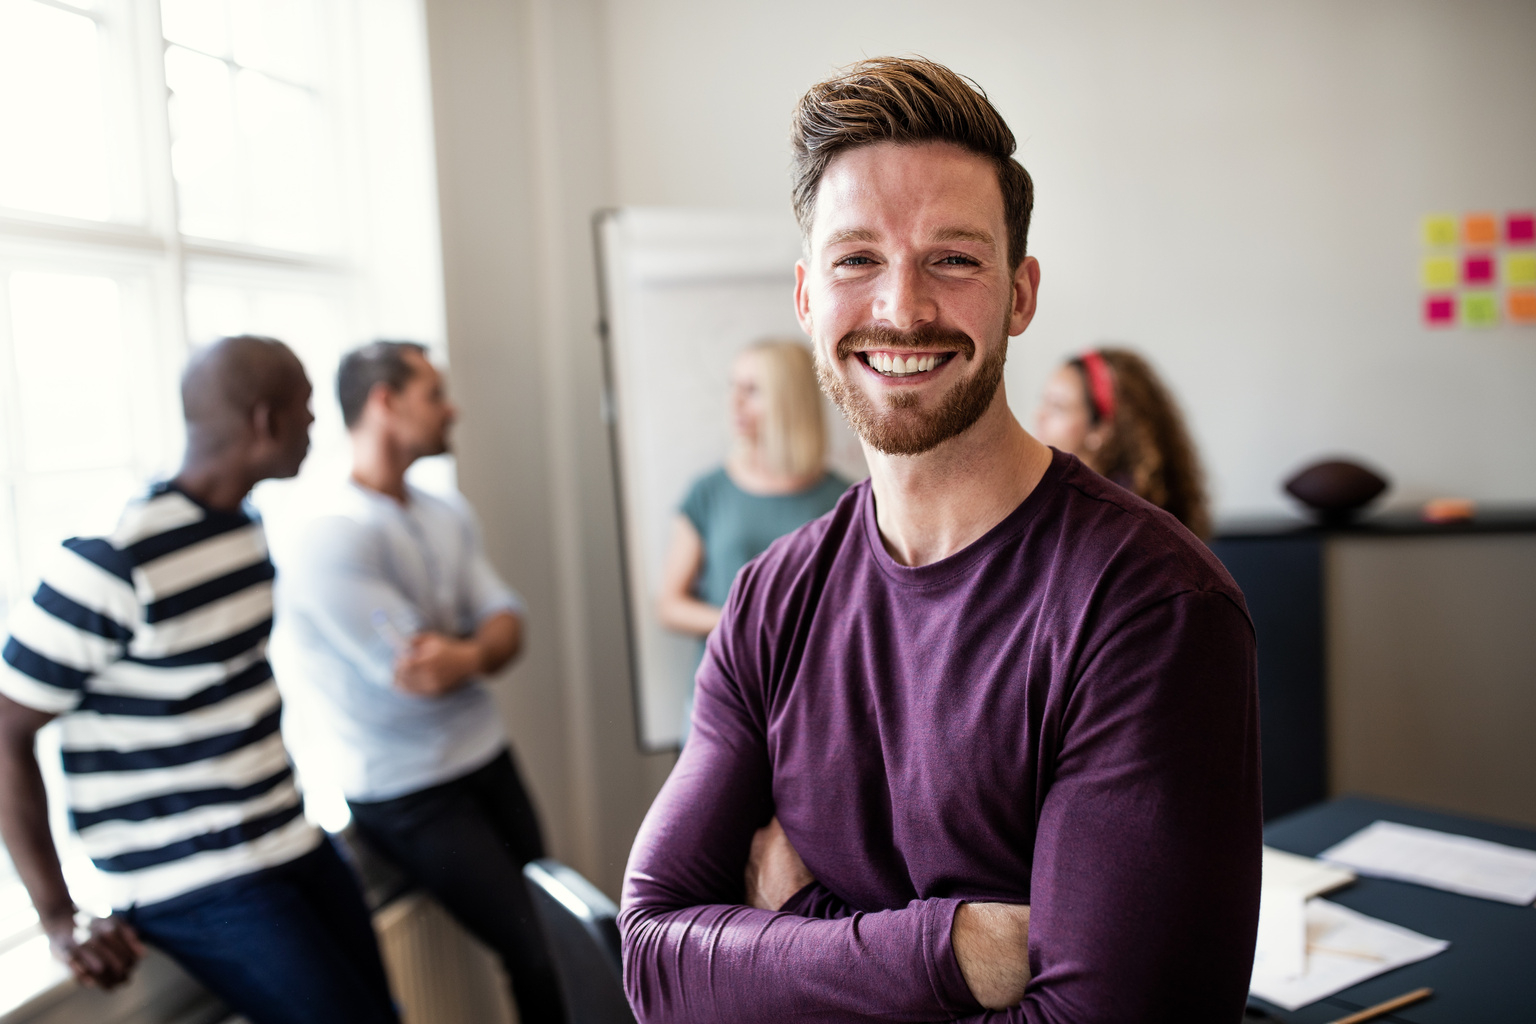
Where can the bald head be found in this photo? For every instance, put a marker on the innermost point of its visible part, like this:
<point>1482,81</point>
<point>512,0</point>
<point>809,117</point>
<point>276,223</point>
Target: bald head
<point>246,398</point>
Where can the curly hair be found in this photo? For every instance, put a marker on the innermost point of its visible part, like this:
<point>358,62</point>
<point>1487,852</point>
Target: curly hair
<point>1147,449</point>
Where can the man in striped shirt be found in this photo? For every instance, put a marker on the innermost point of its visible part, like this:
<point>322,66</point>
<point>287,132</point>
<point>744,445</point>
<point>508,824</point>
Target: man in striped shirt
<point>149,645</point>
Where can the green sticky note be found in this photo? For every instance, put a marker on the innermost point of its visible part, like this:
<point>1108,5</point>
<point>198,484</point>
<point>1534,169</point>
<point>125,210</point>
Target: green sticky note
<point>1520,268</point>
<point>1438,272</point>
<point>1479,309</point>
<point>1440,230</point>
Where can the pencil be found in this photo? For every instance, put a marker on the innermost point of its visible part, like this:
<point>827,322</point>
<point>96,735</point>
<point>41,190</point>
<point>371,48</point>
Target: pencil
<point>1382,1009</point>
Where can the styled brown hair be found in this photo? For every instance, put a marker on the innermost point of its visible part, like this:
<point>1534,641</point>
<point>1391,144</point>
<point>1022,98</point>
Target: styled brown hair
<point>1147,449</point>
<point>905,100</point>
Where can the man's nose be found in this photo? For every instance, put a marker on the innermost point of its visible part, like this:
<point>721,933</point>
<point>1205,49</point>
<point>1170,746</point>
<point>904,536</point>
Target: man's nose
<point>904,299</point>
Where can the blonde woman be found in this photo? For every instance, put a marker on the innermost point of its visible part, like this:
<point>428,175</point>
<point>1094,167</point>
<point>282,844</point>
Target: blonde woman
<point>774,481</point>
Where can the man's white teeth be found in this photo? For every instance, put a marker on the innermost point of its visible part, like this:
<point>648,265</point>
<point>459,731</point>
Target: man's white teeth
<point>896,366</point>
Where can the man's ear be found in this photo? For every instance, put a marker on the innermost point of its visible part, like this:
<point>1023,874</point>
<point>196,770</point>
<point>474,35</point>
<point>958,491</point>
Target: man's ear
<point>802,297</point>
<point>380,397</point>
<point>261,421</point>
<point>1026,289</point>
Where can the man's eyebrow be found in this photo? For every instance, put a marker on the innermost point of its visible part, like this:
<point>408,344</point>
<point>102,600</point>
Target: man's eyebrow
<point>963,235</point>
<point>852,235</point>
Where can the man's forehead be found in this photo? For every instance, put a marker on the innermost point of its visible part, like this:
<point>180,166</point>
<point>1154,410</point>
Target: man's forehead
<point>937,191</point>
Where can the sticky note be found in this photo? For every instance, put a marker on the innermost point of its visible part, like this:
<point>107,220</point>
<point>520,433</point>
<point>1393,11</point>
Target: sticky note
<point>1519,268</point>
<point>1439,230</point>
<point>1477,268</point>
<point>1522,307</point>
<point>1438,272</point>
<point>1480,229</point>
<point>1439,310</point>
<point>1479,309</point>
<point>1520,229</point>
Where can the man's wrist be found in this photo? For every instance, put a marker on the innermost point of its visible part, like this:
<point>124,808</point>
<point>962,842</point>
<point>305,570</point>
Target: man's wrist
<point>475,657</point>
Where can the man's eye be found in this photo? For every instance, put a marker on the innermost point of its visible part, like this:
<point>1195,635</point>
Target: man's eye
<point>958,261</point>
<point>853,261</point>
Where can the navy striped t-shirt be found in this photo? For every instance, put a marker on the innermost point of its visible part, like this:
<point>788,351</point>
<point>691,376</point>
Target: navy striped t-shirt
<point>151,643</point>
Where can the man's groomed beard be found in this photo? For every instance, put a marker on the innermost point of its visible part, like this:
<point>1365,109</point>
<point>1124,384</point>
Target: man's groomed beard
<point>900,428</point>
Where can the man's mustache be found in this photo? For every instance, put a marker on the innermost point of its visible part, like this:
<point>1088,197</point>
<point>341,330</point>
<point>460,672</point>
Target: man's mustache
<point>928,336</point>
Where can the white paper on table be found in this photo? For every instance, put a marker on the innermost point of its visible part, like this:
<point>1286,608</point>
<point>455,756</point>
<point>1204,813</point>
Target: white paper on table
<point>1305,875</point>
<point>1473,867</point>
<point>1343,949</point>
<point>1281,950</point>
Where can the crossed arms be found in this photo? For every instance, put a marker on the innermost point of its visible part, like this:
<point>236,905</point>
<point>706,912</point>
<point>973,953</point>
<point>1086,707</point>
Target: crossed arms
<point>1143,890</point>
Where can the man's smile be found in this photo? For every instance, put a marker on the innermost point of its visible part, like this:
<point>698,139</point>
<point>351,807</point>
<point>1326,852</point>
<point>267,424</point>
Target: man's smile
<point>903,364</point>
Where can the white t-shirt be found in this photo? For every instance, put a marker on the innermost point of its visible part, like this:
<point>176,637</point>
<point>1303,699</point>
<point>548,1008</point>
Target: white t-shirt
<point>358,580</point>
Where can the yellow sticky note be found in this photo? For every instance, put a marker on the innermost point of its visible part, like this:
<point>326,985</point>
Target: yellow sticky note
<point>1438,272</point>
<point>1479,309</point>
<point>1520,268</point>
<point>1440,230</point>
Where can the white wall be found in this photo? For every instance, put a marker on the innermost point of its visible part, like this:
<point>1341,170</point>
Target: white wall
<point>1234,188</point>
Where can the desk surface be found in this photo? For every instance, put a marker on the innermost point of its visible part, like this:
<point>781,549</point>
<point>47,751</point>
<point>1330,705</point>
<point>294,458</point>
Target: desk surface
<point>1488,974</point>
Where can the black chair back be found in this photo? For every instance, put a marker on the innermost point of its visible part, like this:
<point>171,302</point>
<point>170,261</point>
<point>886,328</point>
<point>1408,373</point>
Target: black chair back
<point>583,933</point>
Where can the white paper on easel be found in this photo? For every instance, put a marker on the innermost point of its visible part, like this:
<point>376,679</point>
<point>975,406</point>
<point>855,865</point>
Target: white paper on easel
<point>1473,867</point>
<point>1343,949</point>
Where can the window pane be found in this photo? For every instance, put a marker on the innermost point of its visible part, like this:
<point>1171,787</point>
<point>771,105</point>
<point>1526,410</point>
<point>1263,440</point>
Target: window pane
<point>51,508</point>
<point>53,138</point>
<point>67,340</point>
<point>277,36</point>
<point>200,24</point>
<point>284,130</point>
<point>204,152</point>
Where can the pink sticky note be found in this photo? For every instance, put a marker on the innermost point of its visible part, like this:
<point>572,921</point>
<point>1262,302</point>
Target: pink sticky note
<point>1520,229</point>
<point>1477,268</point>
<point>1440,310</point>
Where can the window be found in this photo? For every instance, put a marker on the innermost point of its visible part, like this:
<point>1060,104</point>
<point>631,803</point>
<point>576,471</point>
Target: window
<point>172,171</point>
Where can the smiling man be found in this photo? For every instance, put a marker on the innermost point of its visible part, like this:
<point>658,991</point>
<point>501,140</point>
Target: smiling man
<point>985,736</point>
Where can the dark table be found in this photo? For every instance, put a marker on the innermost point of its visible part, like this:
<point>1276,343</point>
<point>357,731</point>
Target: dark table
<point>1488,974</point>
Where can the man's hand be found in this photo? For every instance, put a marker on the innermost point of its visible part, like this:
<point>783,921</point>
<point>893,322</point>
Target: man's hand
<point>775,871</point>
<point>101,953</point>
<point>991,944</point>
<point>434,664</point>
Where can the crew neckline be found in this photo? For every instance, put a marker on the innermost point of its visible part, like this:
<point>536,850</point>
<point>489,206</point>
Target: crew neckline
<point>950,566</point>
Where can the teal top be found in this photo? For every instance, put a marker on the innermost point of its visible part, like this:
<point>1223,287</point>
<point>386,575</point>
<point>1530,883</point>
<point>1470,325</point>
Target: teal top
<point>737,526</point>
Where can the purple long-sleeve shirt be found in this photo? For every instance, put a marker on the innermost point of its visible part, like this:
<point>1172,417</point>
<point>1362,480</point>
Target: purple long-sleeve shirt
<point>1062,714</point>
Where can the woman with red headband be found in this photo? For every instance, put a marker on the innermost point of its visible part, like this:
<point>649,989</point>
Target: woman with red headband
<point>1111,410</point>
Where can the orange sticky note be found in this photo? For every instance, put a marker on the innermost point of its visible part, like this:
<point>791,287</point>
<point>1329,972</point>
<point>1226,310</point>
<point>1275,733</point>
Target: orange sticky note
<point>1439,230</point>
<point>1522,307</point>
<point>1480,229</point>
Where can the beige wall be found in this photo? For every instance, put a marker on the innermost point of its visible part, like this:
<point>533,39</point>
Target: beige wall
<point>1432,671</point>
<point>517,93</point>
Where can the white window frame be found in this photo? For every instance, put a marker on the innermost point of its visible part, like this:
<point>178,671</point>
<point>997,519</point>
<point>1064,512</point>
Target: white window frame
<point>145,247</point>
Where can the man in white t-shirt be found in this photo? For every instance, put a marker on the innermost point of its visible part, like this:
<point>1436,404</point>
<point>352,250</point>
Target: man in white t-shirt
<point>389,619</point>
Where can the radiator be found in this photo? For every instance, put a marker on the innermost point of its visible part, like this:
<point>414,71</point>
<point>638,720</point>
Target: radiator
<point>438,972</point>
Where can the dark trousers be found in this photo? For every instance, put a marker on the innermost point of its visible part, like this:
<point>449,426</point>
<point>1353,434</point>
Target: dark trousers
<point>291,944</point>
<point>466,842</point>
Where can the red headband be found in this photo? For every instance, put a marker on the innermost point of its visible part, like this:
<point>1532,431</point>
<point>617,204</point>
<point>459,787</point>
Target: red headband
<point>1101,385</point>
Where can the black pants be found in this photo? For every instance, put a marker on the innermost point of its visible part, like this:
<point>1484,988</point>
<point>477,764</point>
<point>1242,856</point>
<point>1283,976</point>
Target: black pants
<point>466,842</point>
<point>290,944</point>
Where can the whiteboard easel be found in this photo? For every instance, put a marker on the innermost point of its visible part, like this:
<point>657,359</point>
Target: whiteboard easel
<point>682,292</point>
